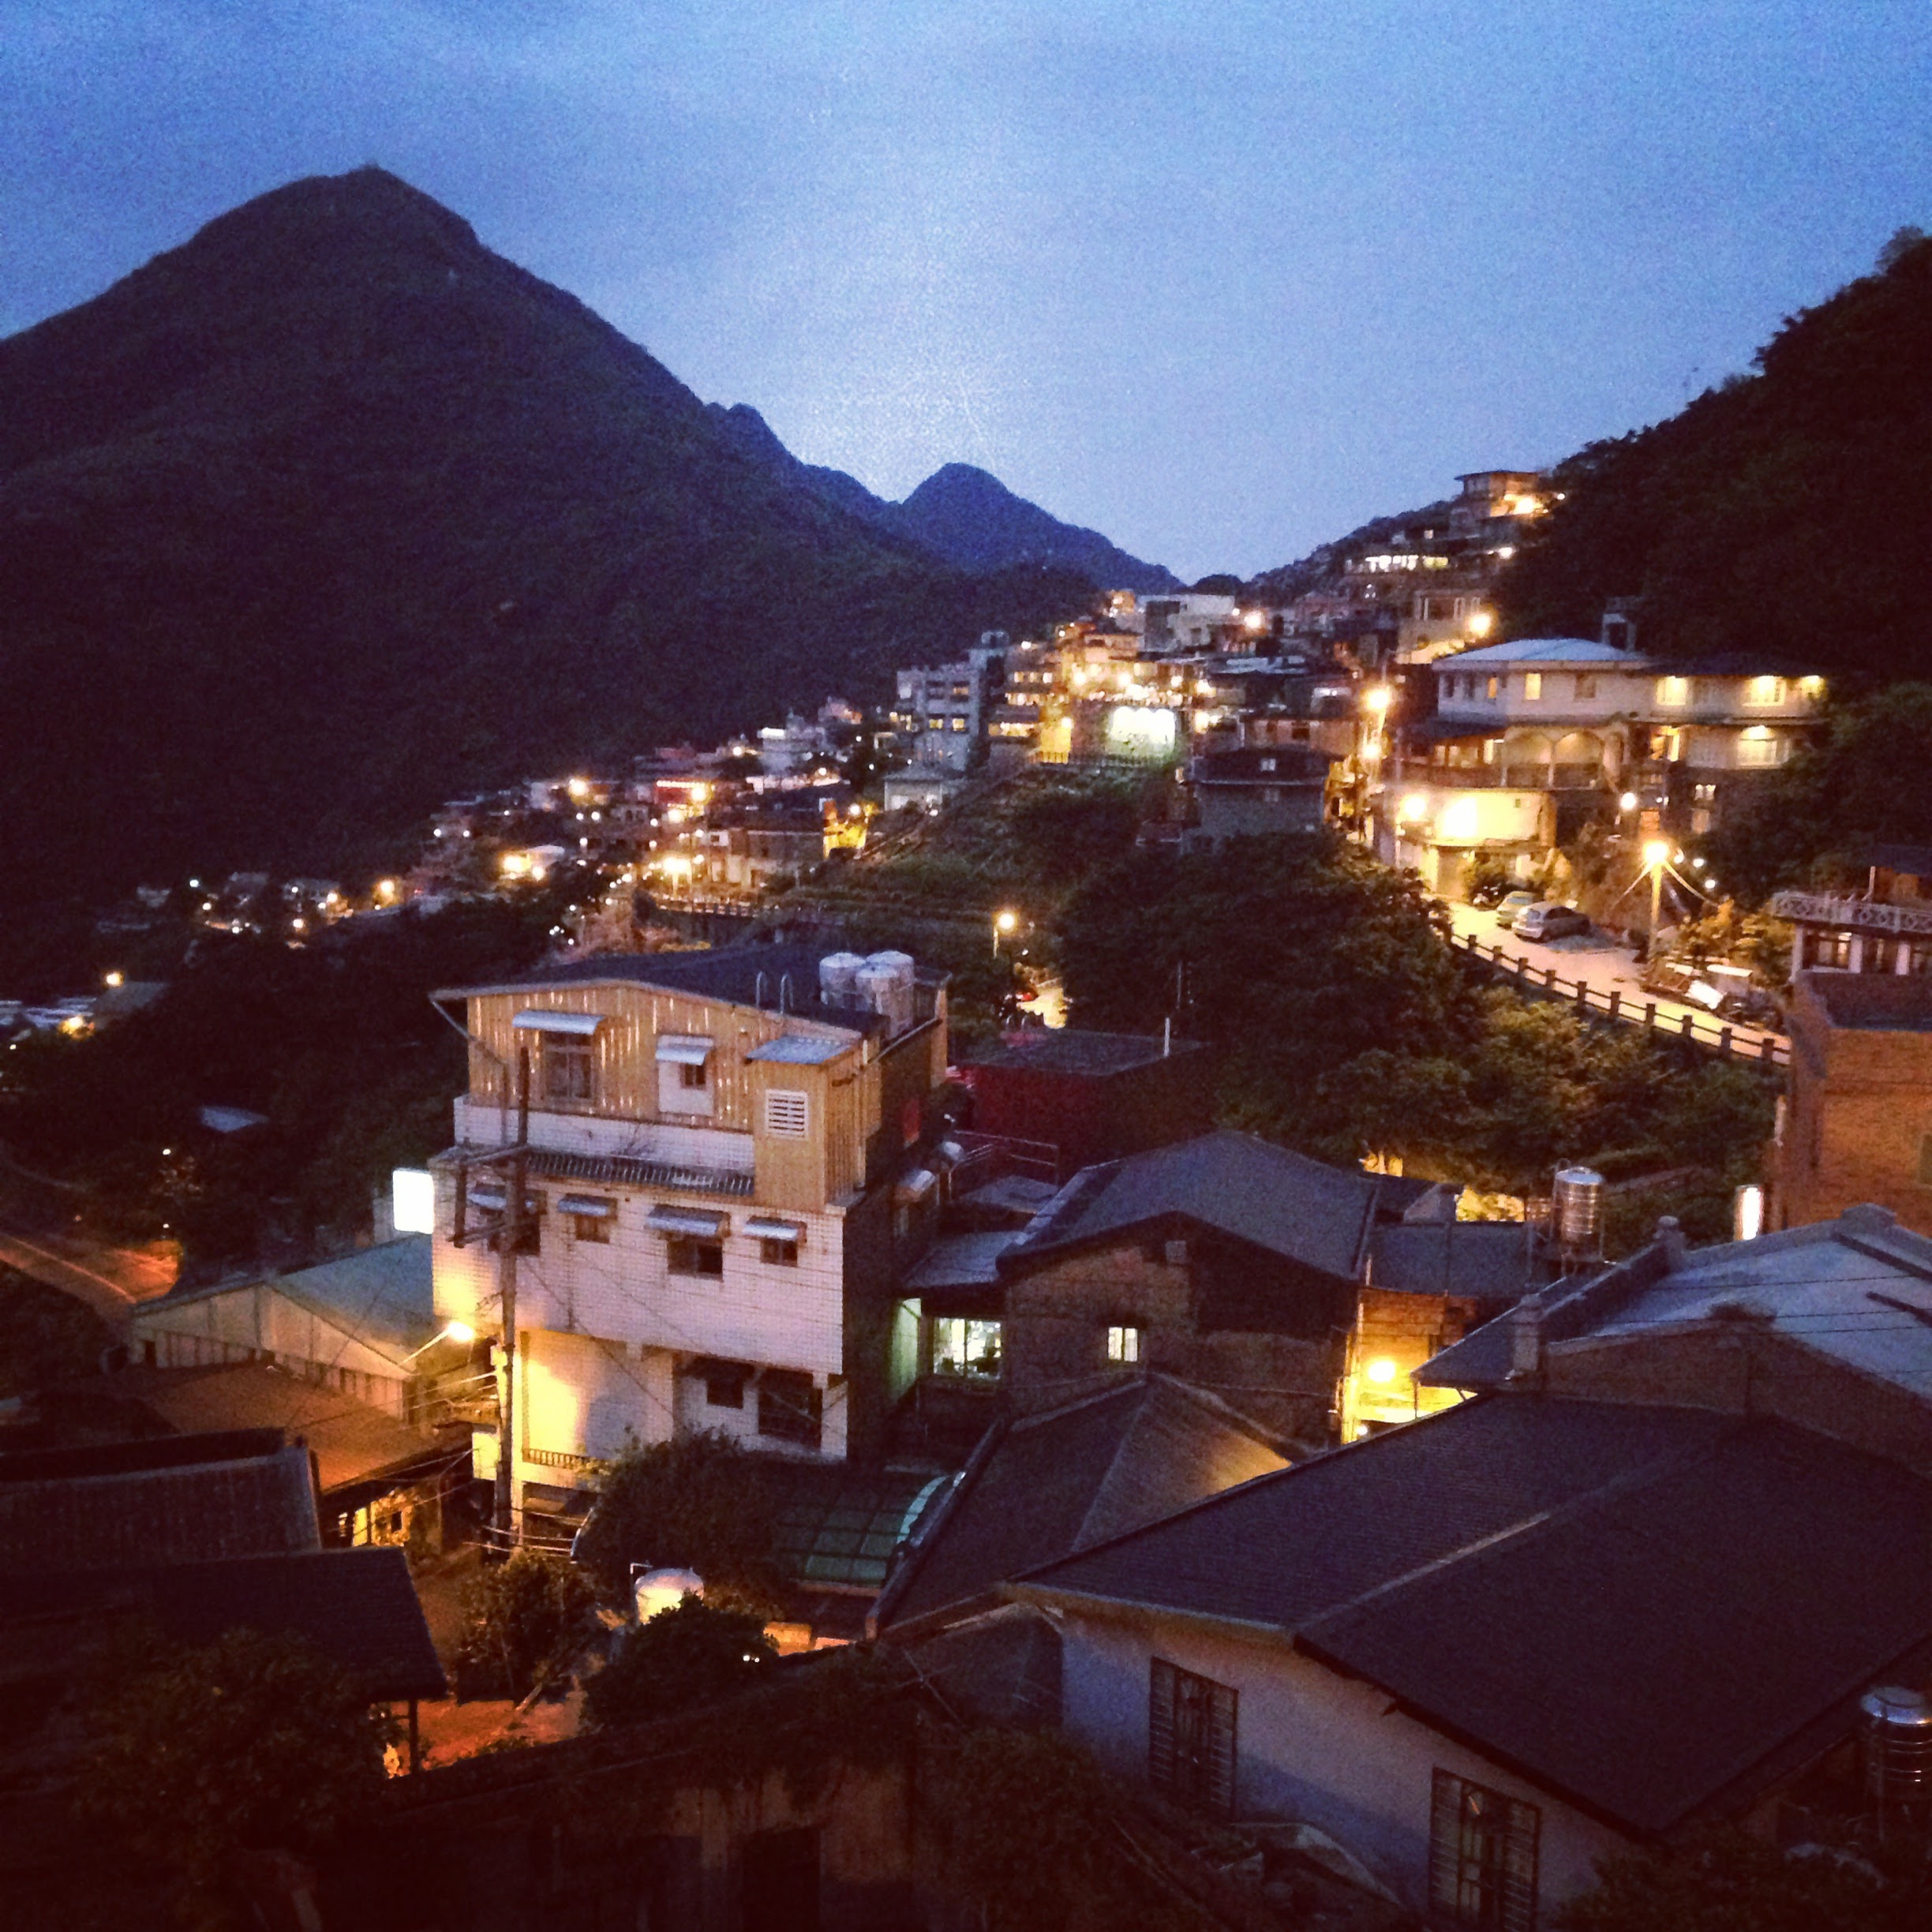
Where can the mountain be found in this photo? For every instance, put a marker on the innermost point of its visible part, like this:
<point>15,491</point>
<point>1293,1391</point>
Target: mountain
<point>1787,513</point>
<point>963,515</point>
<point>332,513</point>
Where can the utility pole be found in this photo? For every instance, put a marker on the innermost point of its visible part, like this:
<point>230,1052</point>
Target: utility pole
<point>508,1241</point>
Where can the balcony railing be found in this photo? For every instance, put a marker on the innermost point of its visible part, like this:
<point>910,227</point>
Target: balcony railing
<point>1878,915</point>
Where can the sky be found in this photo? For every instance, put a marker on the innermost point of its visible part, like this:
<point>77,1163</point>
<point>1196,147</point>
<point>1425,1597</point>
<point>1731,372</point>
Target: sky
<point>1222,280</point>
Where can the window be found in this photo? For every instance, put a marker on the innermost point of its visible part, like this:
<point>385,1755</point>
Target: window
<point>1267,765</point>
<point>1191,1736</point>
<point>693,1076</point>
<point>961,1347</point>
<point>1673,693</point>
<point>592,1228</point>
<point>787,1113</point>
<point>684,1082</point>
<point>1764,692</point>
<point>959,723</point>
<point>1271,794</point>
<point>1533,686</point>
<point>569,1069</point>
<point>1704,794</point>
<point>1482,1856</point>
<point>789,1408</point>
<point>693,1254</point>
<point>1494,686</point>
<point>724,1385</point>
<point>776,1252</point>
<point>1760,746</point>
<point>1586,683</point>
<point>1124,1344</point>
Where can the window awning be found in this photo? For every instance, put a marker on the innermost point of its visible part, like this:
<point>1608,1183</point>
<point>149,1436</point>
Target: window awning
<point>688,1221</point>
<point>685,1049</point>
<point>547,1019</point>
<point>764,1227</point>
<point>492,1195</point>
<point>599,1205</point>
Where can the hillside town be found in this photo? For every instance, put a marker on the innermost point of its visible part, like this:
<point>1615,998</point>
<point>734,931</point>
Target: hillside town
<point>820,1302</point>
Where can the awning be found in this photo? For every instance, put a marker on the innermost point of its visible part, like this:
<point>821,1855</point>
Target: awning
<point>547,1020</point>
<point>684,1049</point>
<point>492,1195</point>
<point>763,1227</point>
<point>689,1221</point>
<point>599,1205</point>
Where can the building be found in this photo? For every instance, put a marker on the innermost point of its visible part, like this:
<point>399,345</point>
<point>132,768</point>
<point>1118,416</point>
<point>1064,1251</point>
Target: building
<point>1240,1268</point>
<point>1258,791</point>
<point>726,1176</point>
<point>1856,1123</point>
<point>1078,1097</point>
<point>943,712</point>
<point>1885,929</point>
<point>1484,1651</point>
<point>356,1324</point>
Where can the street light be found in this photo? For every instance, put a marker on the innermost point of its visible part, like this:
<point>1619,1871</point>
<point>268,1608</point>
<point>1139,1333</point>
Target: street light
<point>451,1331</point>
<point>1627,803</point>
<point>1656,856</point>
<point>1005,923</point>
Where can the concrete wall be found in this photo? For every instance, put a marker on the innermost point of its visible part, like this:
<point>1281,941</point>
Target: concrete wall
<point>1312,1746</point>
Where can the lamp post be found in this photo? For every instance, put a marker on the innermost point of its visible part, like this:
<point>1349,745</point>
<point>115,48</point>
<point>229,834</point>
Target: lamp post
<point>1005,922</point>
<point>1656,854</point>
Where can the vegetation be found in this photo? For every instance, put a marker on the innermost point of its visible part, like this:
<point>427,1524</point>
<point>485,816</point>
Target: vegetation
<point>1869,779</point>
<point>1784,512</point>
<point>700,1503</point>
<point>45,1336</point>
<point>684,1657</point>
<point>336,1044</point>
<point>1728,1882</point>
<point>254,1743</point>
<point>1350,1029</point>
<point>530,1618</point>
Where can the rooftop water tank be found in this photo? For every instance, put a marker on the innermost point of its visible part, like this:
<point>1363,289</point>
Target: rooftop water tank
<point>1576,1210</point>
<point>1895,1727</point>
<point>886,984</point>
<point>663,1589</point>
<point>838,978</point>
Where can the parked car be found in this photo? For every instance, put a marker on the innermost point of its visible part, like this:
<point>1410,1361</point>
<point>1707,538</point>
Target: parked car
<point>1546,920</point>
<point>1513,904</point>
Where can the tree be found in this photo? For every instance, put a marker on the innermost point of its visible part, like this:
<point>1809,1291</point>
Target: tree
<point>700,1504</point>
<point>45,1336</point>
<point>688,1656</point>
<point>1728,1882</point>
<point>528,1619</point>
<point>252,1743</point>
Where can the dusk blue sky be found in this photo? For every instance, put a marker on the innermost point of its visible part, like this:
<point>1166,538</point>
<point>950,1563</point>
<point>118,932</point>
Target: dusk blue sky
<point>1219,280</point>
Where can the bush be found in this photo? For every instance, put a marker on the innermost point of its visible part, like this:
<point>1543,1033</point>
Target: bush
<point>528,1619</point>
<point>680,1658</point>
<point>699,1503</point>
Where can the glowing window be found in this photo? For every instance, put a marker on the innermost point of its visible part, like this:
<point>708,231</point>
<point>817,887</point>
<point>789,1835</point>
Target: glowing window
<point>1123,1344</point>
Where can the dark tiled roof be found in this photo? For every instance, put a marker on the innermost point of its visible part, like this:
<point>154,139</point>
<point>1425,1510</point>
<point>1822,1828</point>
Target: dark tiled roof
<point>1635,1607</point>
<point>1877,1002</point>
<point>626,1172</point>
<point>1068,1050</point>
<point>1283,1202</point>
<point>358,1607</point>
<point>1049,1485</point>
<point>1486,1260</point>
<point>961,1261</point>
<point>1000,1668</point>
<point>253,1505</point>
<point>1283,765</point>
<point>730,973</point>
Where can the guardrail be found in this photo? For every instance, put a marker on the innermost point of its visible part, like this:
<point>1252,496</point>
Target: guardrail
<point>1694,1028</point>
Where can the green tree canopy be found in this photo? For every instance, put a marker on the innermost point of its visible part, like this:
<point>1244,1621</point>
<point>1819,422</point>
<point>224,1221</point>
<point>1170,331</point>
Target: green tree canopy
<point>528,1619</point>
<point>684,1657</point>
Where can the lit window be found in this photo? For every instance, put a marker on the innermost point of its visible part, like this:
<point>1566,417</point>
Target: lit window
<point>787,1113</point>
<point>1123,1345</point>
<point>1760,746</point>
<point>1191,1722</point>
<point>1494,688</point>
<point>966,1348</point>
<point>959,723</point>
<point>1533,686</point>
<point>1673,693</point>
<point>1482,1856</point>
<point>1765,691</point>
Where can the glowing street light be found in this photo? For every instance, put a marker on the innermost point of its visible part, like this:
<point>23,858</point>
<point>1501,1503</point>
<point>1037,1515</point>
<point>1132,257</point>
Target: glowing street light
<point>1005,923</point>
<point>1656,856</point>
<point>1627,803</point>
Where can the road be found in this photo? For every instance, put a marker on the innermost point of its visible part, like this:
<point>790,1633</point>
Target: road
<point>1601,963</point>
<point>110,1280</point>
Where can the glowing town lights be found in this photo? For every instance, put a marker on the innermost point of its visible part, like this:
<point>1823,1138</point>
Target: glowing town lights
<point>299,925</point>
<point>579,788</point>
<point>1381,1371</point>
<point>1747,1214</point>
<point>460,1331</point>
<point>1377,699</point>
<point>385,892</point>
<point>700,794</point>
<point>1006,921</point>
<point>1627,803</point>
<point>115,980</point>
<point>1414,807</point>
<point>1255,620</point>
<point>1481,622</point>
<point>1657,853</point>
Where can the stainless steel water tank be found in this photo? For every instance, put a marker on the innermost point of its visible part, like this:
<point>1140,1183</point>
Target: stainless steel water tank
<point>1576,1209</point>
